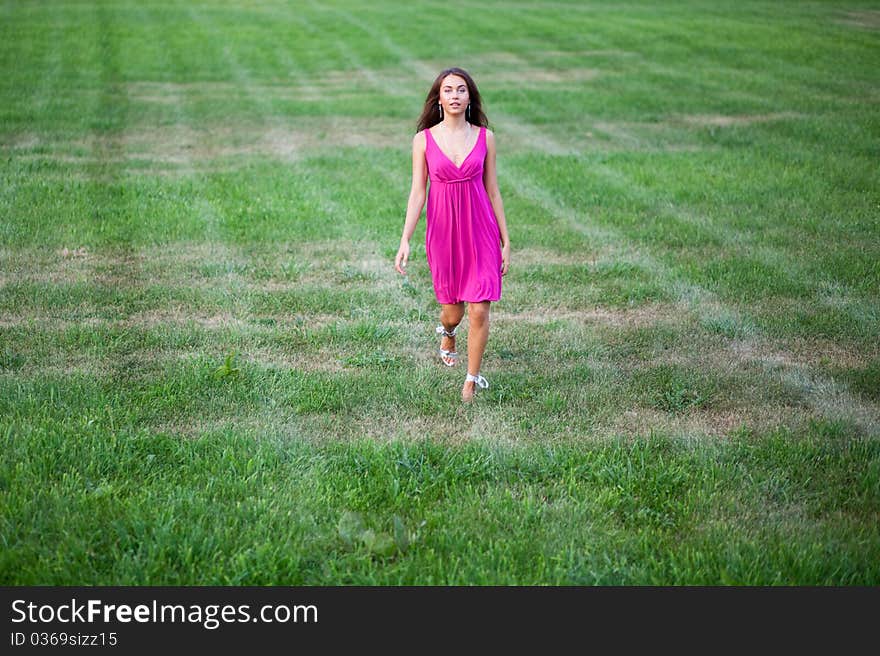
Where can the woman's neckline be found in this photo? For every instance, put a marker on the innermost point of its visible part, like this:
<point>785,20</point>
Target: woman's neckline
<point>470,152</point>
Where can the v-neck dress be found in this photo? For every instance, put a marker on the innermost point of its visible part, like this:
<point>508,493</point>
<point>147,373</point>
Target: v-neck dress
<point>462,238</point>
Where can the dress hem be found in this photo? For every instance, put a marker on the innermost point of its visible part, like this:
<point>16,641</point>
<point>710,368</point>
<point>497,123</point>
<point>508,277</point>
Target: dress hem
<point>465,300</point>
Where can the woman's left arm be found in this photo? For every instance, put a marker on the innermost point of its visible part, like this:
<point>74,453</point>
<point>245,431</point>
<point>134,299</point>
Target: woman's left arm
<point>490,181</point>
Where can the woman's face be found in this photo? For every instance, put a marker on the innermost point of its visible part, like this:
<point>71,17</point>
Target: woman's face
<point>454,96</point>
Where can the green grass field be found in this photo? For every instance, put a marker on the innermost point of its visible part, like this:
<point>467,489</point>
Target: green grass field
<point>211,374</point>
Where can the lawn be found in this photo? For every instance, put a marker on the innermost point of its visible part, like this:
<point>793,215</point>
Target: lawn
<point>210,372</point>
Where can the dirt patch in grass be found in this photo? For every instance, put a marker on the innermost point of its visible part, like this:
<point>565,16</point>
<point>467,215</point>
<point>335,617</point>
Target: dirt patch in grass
<point>72,265</point>
<point>178,317</point>
<point>479,64</point>
<point>274,358</point>
<point>20,141</point>
<point>543,76</point>
<point>169,257</point>
<point>67,253</point>
<point>802,352</point>
<point>826,396</point>
<point>824,352</point>
<point>320,134</point>
<point>868,19</point>
<point>77,365</point>
<point>500,58</point>
<point>705,422</point>
<point>182,316</point>
<point>206,265</point>
<point>408,428</point>
<point>170,93</point>
<point>185,146</point>
<point>645,315</point>
<point>753,351</point>
<point>504,68</point>
<point>610,52</point>
<point>463,424</point>
<point>545,256</point>
<point>832,399</point>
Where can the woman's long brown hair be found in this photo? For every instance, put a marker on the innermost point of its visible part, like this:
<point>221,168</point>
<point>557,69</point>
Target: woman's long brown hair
<point>431,112</point>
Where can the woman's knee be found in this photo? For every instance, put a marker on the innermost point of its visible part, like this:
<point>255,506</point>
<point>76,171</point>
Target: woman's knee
<point>453,313</point>
<point>478,313</point>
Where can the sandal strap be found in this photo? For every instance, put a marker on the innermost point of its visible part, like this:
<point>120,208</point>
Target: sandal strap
<point>481,382</point>
<point>448,354</point>
<point>441,330</point>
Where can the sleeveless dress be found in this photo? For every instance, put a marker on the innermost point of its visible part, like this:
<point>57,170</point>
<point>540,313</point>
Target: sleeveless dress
<point>462,238</point>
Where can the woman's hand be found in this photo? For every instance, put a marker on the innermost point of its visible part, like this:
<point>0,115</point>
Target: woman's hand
<point>402,257</point>
<point>505,258</point>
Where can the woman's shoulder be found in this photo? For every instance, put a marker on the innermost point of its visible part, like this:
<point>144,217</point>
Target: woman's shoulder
<point>490,137</point>
<point>420,139</point>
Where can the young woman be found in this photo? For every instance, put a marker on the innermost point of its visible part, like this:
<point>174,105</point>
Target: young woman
<point>466,238</point>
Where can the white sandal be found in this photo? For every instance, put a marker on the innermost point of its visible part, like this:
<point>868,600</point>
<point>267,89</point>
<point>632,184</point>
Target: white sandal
<point>452,355</point>
<point>479,382</point>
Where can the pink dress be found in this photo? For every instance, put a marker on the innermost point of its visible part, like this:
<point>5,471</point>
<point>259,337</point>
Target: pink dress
<point>462,239</point>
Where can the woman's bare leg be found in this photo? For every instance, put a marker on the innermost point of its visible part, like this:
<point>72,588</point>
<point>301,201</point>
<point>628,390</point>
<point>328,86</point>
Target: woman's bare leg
<point>451,315</point>
<point>478,335</point>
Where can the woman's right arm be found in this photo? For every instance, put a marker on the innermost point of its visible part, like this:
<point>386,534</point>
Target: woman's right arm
<point>416,200</point>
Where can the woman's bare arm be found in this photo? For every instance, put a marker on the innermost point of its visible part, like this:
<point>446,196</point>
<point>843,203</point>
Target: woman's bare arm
<point>490,181</point>
<point>416,200</point>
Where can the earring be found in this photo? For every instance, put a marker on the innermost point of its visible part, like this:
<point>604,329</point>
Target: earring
<point>467,113</point>
<point>440,107</point>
